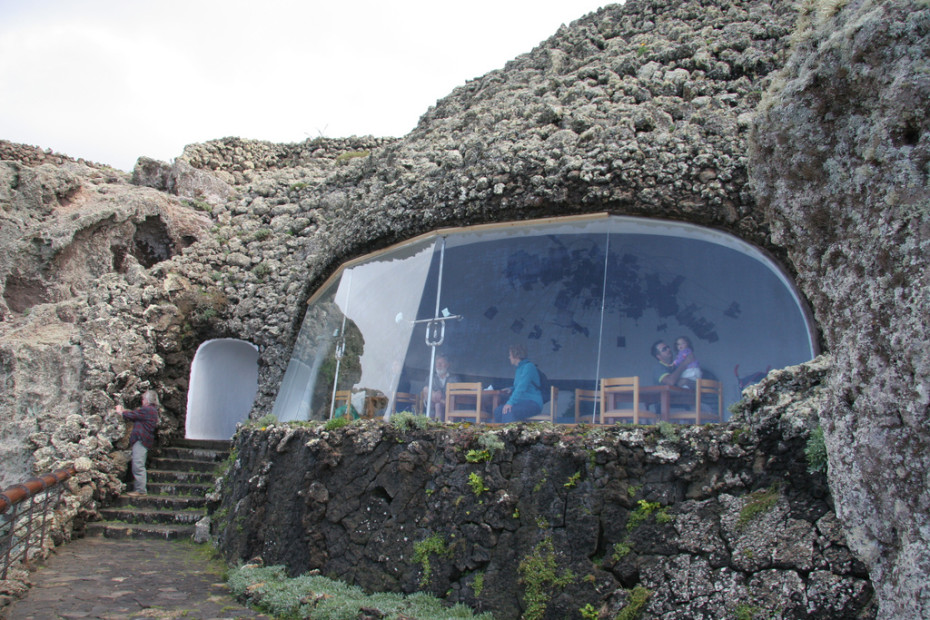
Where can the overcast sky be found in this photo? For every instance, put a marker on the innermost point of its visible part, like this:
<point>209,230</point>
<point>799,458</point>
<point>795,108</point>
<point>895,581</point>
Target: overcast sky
<point>113,80</point>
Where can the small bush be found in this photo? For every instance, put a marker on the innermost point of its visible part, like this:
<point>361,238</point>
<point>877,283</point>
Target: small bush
<point>433,545</point>
<point>476,482</point>
<point>816,452</point>
<point>346,157</point>
<point>478,456</point>
<point>405,420</point>
<point>313,596</point>
<point>639,596</point>
<point>335,423</point>
<point>759,503</point>
<point>538,572</point>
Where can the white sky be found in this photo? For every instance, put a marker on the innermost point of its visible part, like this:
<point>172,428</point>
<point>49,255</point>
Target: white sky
<point>112,80</point>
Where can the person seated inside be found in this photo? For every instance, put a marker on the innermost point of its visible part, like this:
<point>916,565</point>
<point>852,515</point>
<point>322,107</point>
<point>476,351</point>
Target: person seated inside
<point>441,376</point>
<point>692,371</point>
<point>525,398</point>
<point>667,372</point>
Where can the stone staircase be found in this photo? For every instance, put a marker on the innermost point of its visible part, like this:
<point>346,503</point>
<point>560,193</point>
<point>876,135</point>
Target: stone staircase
<point>178,480</point>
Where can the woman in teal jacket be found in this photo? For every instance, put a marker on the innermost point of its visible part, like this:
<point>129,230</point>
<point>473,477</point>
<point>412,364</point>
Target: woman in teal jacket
<point>526,398</point>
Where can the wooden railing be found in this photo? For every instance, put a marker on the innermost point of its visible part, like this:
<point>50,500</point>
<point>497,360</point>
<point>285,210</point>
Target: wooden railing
<point>25,509</point>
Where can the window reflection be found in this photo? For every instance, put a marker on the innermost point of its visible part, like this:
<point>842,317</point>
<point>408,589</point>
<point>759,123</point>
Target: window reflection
<point>586,298</point>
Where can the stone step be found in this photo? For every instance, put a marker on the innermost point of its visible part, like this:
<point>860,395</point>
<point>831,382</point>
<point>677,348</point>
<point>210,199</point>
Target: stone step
<point>109,529</point>
<point>193,454</point>
<point>179,489</point>
<point>185,477</point>
<point>183,465</point>
<point>203,444</point>
<point>162,502</point>
<point>152,515</point>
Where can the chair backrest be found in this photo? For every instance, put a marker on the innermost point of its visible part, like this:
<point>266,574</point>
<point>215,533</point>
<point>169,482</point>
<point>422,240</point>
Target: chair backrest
<point>704,387</point>
<point>548,413</point>
<point>586,396</point>
<point>619,398</point>
<point>406,401</point>
<point>463,400</point>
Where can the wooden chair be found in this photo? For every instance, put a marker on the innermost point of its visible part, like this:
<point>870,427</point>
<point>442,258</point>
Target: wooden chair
<point>548,413</point>
<point>406,401</point>
<point>620,401</point>
<point>702,389</point>
<point>342,398</point>
<point>463,401</point>
<point>586,396</point>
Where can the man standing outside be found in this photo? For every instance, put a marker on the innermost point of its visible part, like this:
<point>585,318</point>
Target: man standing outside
<point>142,438</point>
<point>665,372</point>
<point>526,398</point>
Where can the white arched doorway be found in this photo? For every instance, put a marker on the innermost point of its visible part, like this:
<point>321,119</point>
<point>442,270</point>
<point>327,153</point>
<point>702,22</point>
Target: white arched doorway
<point>223,384</point>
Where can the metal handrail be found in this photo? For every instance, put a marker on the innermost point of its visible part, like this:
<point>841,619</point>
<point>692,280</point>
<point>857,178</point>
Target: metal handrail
<point>19,518</point>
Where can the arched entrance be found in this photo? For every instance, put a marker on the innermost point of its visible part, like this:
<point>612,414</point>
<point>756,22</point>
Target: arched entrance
<point>223,384</point>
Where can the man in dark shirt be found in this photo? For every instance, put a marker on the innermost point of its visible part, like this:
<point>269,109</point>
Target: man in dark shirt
<point>665,371</point>
<point>142,437</point>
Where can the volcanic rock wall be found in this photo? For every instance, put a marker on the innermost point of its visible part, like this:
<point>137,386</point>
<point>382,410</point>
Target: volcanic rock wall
<point>841,166</point>
<point>641,109</point>
<point>540,521</point>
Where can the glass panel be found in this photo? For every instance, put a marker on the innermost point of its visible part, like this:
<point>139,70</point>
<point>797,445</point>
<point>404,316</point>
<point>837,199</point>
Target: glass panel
<point>668,280</point>
<point>372,298</point>
<point>543,285</point>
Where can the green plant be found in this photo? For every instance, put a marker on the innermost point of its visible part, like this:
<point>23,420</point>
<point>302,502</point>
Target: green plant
<point>261,234</point>
<point>199,204</point>
<point>538,572</point>
<point>476,482</point>
<point>490,442</point>
<point>816,452</point>
<point>633,490</point>
<point>477,584</point>
<point>477,456</point>
<point>405,420</point>
<point>435,544</point>
<point>572,480</point>
<point>588,612</point>
<point>639,596</point>
<point>344,158</point>
<point>745,611</point>
<point>265,421</point>
<point>542,480</point>
<point>335,423</point>
<point>270,590</point>
<point>638,516</point>
<point>668,430</point>
<point>621,550</point>
<point>296,187</point>
<point>261,270</point>
<point>759,503</point>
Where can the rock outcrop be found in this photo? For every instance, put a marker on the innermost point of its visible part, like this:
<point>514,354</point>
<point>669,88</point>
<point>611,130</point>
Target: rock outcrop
<point>840,165</point>
<point>108,283</point>
<point>538,521</point>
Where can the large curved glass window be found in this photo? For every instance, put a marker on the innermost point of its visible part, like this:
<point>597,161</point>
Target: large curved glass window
<point>586,297</point>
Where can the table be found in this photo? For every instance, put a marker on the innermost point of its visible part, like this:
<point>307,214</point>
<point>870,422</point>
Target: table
<point>664,396</point>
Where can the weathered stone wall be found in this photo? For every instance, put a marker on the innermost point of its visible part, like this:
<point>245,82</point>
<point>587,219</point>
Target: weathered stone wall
<point>714,521</point>
<point>840,166</point>
<point>641,109</point>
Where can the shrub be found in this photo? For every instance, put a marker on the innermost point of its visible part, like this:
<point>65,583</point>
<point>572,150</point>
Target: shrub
<point>538,572</point>
<point>759,503</point>
<point>344,158</point>
<point>816,452</point>
<point>313,596</point>
<point>433,545</point>
<point>476,482</point>
<point>639,596</point>
<point>335,423</point>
